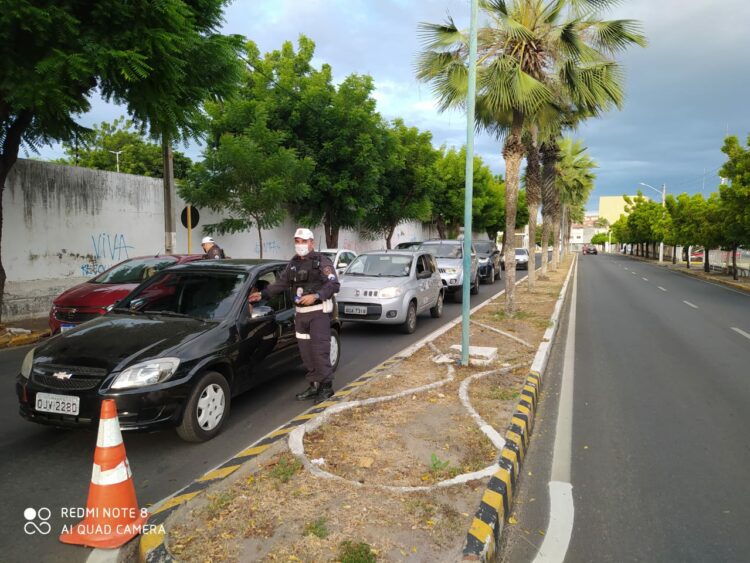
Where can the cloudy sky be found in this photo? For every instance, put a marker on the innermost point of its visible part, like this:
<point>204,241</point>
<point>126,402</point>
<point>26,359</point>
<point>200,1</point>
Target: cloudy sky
<point>684,92</point>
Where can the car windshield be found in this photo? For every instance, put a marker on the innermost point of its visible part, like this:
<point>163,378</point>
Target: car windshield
<point>520,252</point>
<point>134,271</point>
<point>386,265</point>
<point>450,250</point>
<point>484,246</point>
<point>202,295</point>
<point>331,255</point>
<point>404,245</point>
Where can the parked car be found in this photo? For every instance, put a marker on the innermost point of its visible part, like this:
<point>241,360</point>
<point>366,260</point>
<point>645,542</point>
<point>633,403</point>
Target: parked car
<point>590,249</point>
<point>172,353</point>
<point>341,258</point>
<point>449,255</point>
<point>91,298</point>
<point>697,256</point>
<point>413,245</point>
<point>391,287</point>
<point>489,260</point>
<point>522,259</point>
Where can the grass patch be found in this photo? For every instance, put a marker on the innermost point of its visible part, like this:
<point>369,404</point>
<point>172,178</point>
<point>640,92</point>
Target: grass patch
<point>436,464</point>
<point>317,528</point>
<point>286,468</point>
<point>500,394</point>
<point>517,316</point>
<point>350,552</point>
<point>218,502</point>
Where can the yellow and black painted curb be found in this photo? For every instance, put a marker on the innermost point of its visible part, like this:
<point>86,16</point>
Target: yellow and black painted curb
<point>486,527</point>
<point>152,546</point>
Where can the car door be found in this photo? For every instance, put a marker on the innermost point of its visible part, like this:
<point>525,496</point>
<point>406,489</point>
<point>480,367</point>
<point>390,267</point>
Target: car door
<point>423,284</point>
<point>436,282</point>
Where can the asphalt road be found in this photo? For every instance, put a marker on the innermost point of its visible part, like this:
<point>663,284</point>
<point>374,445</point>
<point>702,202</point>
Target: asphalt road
<point>660,447</point>
<point>47,467</point>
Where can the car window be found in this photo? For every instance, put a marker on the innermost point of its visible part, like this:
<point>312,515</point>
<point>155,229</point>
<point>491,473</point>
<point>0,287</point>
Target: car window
<point>521,252</point>
<point>443,250</point>
<point>381,265</point>
<point>277,302</point>
<point>486,246</point>
<point>134,271</point>
<point>202,295</point>
<point>421,265</point>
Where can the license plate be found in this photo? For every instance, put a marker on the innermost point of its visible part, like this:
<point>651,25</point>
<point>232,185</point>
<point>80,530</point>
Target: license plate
<point>59,404</point>
<point>354,310</point>
<point>63,328</point>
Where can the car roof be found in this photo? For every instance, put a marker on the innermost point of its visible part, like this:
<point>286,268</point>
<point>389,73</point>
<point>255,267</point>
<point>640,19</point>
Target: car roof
<point>394,251</point>
<point>230,265</point>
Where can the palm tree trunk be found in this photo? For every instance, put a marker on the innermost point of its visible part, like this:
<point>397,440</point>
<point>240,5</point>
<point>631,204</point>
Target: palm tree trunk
<point>512,154</point>
<point>531,277</point>
<point>533,198</point>
<point>546,231</point>
<point>555,243</point>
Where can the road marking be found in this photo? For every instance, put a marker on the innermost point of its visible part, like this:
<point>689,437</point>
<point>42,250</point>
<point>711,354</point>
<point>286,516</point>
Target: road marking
<point>562,511</point>
<point>644,279</point>
<point>660,287</point>
<point>740,331</point>
<point>634,273</point>
<point>689,304</point>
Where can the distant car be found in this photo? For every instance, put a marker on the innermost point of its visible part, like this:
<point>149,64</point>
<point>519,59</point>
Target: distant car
<point>522,259</point>
<point>590,249</point>
<point>450,261</point>
<point>90,299</point>
<point>413,245</point>
<point>696,256</point>
<point>489,260</point>
<point>391,287</point>
<point>173,353</point>
<point>341,258</point>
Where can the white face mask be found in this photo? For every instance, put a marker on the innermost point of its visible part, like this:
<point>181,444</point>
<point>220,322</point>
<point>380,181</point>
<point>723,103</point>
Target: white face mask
<point>302,249</point>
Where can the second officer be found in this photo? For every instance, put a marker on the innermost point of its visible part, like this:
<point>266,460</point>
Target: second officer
<point>312,279</point>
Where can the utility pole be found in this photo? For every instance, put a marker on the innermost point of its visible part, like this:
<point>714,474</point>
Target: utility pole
<point>663,193</point>
<point>469,187</point>
<point>170,235</point>
<point>117,156</point>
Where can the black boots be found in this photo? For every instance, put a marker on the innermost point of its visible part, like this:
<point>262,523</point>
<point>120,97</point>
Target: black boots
<point>325,392</point>
<point>318,391</point>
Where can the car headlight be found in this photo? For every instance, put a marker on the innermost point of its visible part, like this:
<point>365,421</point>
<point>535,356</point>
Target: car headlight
<point>389,292</point>
<point>27,364</point>
<point>450,271</point>
<point>146,373</point>
<point>484,260</point>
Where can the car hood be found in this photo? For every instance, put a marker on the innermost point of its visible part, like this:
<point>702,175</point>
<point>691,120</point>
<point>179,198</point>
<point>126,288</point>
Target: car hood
<point>349,284</point>
<point>117,340</point>
<point>90,294</point>
<point>450,262</point>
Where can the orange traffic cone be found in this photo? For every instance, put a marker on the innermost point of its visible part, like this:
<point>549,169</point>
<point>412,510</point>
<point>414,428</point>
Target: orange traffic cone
<point>112,515</point>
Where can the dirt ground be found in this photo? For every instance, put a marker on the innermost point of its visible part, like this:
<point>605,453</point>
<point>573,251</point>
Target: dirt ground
<point>274,509</point>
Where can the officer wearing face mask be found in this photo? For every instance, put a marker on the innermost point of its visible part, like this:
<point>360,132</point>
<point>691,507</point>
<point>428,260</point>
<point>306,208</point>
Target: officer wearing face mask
<point>312,279</point>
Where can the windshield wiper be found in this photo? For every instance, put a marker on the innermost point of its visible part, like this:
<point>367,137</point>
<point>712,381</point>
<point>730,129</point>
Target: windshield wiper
<point>170,314</point>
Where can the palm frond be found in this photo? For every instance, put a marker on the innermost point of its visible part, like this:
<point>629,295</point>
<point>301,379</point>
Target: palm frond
<point>435,36</point>
<point>498,7</point>
<point>614,36</point>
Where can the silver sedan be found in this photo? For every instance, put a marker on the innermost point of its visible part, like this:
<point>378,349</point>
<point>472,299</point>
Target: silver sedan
<point>391,287</point>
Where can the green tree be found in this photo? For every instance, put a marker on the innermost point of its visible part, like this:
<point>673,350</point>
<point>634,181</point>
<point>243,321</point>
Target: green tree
<point>160,61</point>
<point>599,238</point>
<point>575,180</point>
<point>531,55</point>
<point>686,218</point>
<point>248,176</point>
<point>137,155</point>
<point>735,196</point>
<point>408,181</point>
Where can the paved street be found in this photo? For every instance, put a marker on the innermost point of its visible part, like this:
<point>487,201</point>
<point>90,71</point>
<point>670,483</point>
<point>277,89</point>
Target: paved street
<point>52,468</point>
<point>660,447</point>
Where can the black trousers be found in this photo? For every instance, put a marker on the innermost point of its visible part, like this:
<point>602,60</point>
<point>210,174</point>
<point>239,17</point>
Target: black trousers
<point>314,340</point>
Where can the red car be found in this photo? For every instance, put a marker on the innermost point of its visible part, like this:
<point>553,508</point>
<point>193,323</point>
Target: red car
<point>90,299</point>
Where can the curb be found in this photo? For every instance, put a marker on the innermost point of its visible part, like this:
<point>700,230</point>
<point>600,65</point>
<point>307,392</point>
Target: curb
<point>152,546</point>
<point>9,340</point>
<point>486,529</point>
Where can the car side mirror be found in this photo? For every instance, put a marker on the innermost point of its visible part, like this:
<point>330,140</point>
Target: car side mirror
<point>261,312</point>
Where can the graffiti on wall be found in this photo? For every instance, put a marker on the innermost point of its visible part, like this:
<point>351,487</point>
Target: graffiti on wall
<point>268,246</point>
<point>108,249</point>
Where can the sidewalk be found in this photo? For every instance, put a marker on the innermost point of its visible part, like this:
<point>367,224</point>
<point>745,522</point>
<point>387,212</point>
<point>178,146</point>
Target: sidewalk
<point>393,472</point>
<point>21,333</point>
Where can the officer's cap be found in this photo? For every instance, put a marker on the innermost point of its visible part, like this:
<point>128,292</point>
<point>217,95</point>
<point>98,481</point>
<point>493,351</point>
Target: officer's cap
<point>207,240</point>
<point>305,234</point>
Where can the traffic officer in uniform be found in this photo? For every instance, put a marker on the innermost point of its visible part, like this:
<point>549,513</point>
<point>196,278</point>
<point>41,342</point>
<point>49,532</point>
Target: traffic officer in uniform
<point>211,249</point>
<point>312,279</point>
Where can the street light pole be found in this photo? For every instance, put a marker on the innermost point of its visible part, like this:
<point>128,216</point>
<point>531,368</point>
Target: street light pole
<point>117,157</point>
<point>663,192</point>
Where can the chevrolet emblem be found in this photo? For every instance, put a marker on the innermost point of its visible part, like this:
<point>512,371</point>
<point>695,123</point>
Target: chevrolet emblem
<point>62,375</point>
<point>356,293</point>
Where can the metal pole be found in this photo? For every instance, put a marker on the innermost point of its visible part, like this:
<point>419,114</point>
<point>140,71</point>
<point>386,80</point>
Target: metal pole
<point>169,231</point>
<point>190,227</point>
<point>663,205</point>
<point>469,188</point>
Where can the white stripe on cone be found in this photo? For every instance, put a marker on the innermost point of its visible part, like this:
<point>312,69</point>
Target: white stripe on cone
<point>109,433</point>
<point>112,476</point>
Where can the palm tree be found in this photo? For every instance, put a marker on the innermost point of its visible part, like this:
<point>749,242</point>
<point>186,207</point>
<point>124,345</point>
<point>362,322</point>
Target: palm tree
<point>533,194</point>
<point>532,55</point>
<point>575,180</point>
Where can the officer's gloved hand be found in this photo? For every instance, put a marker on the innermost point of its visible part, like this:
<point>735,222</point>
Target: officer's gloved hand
<point>307,300</point>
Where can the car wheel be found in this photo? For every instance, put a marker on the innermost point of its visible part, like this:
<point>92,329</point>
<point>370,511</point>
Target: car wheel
<point>497,274</point>
<point>474,289</point>
<point>437,311</point>
<point>458,295</point>
<point>493,277</point>
<point>502,266</point>
<point>335,353</point>
<point>410,324</point>
<point>206,410</point>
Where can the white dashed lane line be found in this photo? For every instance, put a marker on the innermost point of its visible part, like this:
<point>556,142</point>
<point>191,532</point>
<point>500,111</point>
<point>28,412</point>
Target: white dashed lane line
<point>644,279</point>
<point>740,331</point>
<point>660,287</point>
<point>689,304</point>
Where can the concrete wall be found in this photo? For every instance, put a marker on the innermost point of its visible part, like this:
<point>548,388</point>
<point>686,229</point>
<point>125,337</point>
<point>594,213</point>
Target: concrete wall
<point>65,224</point>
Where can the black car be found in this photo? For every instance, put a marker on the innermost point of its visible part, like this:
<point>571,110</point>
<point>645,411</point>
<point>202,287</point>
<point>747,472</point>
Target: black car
<point>489,260</point>
<point>172,353</point>
<point>590,249</point>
